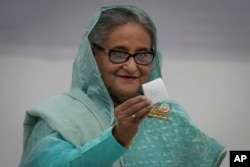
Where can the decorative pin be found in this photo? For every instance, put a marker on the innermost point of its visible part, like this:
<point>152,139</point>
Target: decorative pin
<point>160,112</point>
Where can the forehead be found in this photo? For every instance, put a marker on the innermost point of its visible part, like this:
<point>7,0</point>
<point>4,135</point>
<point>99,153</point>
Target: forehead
<point>129,35</point>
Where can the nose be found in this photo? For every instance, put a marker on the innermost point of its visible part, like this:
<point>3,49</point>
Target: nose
<point>130,65</point>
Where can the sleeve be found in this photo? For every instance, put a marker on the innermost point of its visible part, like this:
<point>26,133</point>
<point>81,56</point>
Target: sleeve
<point>47,148</point>
<point>199,148</point>
<point>203,150</point>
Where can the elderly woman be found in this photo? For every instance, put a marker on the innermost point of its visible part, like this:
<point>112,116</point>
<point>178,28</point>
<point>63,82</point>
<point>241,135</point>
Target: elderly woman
<point>104,119</point>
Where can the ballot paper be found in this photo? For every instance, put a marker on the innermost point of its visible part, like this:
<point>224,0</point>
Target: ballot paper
<point>155,90</point>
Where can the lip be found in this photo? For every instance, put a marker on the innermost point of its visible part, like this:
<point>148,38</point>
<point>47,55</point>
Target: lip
<point>128,78</point>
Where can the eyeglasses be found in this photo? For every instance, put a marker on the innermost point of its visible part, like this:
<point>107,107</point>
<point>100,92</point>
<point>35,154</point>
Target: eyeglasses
<point>118,57</point>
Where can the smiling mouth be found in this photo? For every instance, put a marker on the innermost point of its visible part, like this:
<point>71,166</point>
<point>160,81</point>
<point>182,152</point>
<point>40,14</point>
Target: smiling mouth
<point>128,78</point>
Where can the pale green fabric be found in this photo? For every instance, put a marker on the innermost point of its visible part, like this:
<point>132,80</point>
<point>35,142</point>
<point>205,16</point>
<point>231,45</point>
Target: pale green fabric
<point>65,130</point>
<point>75,128</point>
<point>177,142</point>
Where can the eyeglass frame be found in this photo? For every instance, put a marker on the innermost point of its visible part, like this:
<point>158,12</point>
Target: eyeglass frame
<point>110,51</point>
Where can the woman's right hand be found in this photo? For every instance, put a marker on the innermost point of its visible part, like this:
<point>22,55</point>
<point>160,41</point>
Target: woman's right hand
<point>129,116</point>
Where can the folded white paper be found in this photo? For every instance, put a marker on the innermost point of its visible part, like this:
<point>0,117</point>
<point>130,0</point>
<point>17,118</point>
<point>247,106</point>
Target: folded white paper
<point>155,90</point>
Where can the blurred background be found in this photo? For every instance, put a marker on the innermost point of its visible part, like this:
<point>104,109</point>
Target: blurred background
<point>206,53</point>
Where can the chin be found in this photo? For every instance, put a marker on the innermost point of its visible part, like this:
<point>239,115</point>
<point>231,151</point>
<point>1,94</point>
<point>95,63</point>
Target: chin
<point>120,97</point>
<point>128,95</point>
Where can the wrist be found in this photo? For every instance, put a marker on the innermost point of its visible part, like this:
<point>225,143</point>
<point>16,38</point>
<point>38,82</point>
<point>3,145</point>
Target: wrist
<point>122,141</point>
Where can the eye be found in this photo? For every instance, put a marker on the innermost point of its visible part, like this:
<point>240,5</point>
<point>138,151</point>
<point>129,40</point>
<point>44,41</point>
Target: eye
<point>118,54</point>
<point>144,56</point>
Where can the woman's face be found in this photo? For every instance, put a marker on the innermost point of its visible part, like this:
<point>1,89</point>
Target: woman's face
<point>124,80</point>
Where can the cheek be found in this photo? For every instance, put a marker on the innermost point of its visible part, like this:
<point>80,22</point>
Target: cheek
<point>102,63</point>
<point>145,71</point>
<point>106,69</point>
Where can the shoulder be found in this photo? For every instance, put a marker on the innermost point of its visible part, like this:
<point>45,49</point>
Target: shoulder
<point>70,101</point>
<point>69,114</point>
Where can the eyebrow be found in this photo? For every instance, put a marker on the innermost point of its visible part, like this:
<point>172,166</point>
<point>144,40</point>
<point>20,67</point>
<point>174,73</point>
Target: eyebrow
<point>122,48</point>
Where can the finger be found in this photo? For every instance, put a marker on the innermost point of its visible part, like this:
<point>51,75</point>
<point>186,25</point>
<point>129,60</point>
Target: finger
<point>143,112</point>
<point>139,108</point>
<point>130,102</point>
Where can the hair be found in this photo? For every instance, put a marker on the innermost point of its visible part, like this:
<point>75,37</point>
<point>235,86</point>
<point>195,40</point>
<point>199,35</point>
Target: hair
<point>114,17</point>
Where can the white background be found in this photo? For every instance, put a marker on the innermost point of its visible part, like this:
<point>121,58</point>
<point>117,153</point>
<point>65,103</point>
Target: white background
<point>206,68</point>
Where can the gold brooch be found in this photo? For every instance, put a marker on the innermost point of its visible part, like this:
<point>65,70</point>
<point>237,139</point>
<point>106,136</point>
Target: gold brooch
<point>160,112</point>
